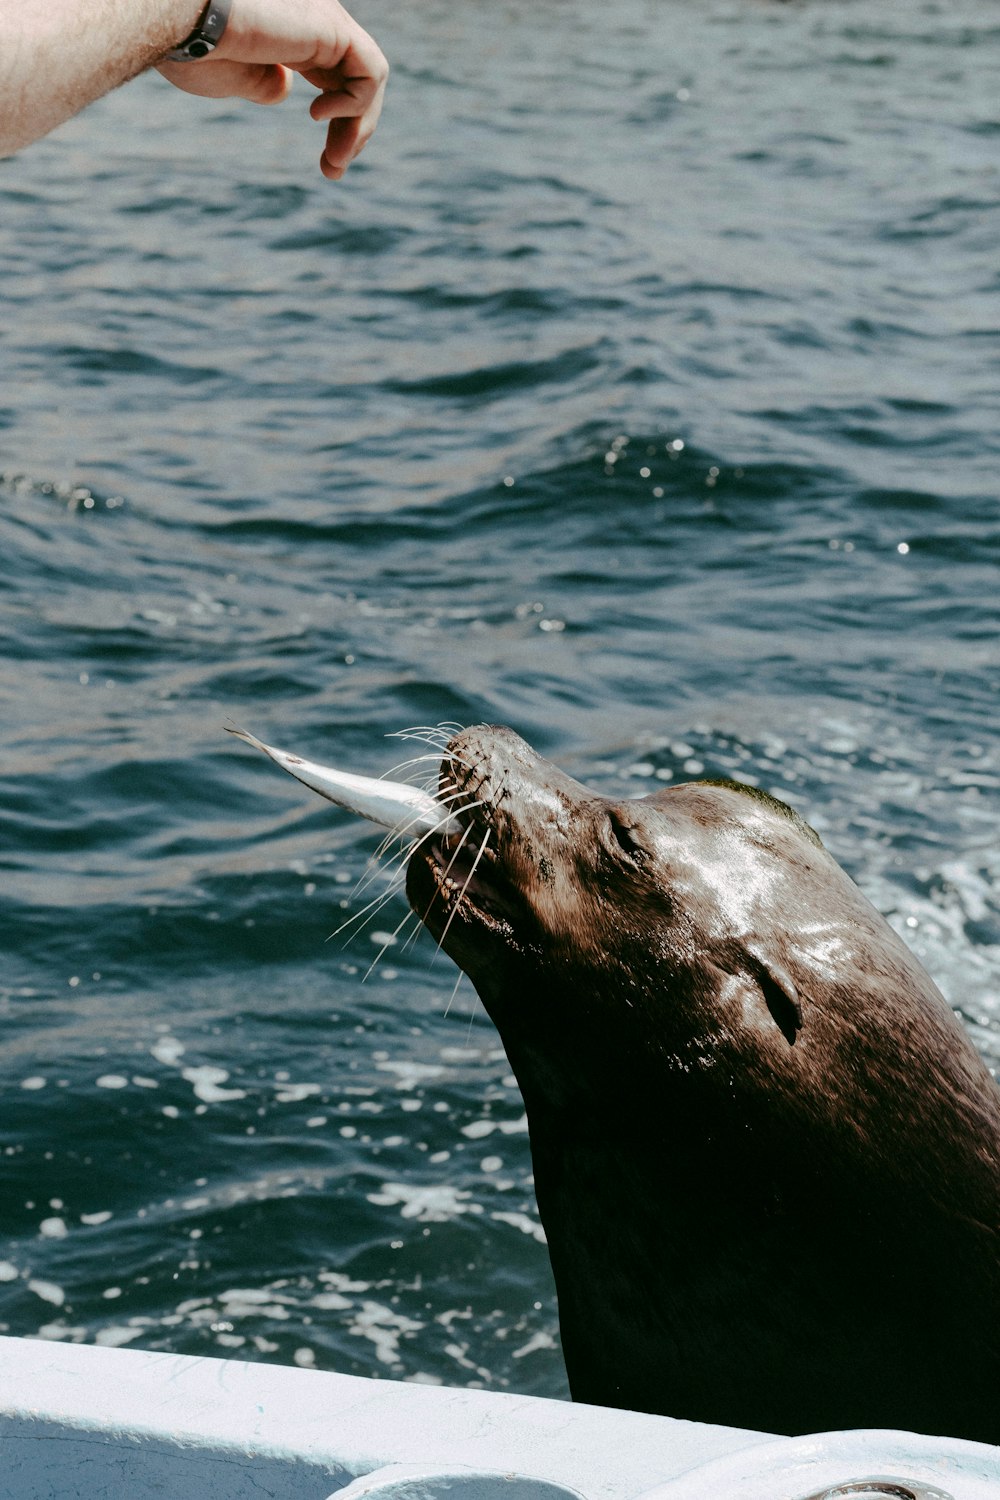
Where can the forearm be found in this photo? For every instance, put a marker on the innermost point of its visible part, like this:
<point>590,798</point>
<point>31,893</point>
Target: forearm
<point>57,56</point>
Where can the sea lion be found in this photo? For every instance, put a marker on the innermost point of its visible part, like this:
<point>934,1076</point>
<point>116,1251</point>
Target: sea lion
<point>766,1154</point>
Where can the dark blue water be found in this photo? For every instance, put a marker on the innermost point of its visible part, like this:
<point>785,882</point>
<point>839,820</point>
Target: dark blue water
<point>639,389</point>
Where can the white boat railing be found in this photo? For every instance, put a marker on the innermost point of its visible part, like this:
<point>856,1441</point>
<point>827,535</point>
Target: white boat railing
<point>88,1423</point>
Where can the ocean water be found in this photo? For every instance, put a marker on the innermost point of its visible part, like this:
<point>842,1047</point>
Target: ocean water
<point>639,389</point>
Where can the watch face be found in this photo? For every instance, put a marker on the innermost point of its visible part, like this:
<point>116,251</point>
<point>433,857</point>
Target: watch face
<point>206,35</point>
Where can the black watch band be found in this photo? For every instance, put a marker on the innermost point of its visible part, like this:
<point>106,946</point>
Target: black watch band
<point>206,35</point>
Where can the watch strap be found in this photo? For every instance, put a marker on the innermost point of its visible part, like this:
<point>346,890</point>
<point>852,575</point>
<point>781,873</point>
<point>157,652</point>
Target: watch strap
<point>206,35</point>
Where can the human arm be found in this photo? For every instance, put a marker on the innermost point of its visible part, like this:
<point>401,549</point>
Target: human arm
<point>56,56</point>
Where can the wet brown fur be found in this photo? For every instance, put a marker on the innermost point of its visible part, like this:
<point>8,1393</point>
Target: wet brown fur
<point>767,1156</point>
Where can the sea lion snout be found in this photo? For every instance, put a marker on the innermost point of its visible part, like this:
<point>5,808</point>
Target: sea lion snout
<point>525,815</point>
<point>493,766</point>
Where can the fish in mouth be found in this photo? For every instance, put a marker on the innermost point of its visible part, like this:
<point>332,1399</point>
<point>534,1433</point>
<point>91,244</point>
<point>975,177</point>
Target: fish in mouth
<point>766,1154</point>
<point>451,833</point>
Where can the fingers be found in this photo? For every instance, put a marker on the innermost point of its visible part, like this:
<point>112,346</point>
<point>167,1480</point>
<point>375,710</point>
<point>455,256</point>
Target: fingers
<point>352,121</point>
<point>351,101</point>
<point>343,144</point>
<point>345,139</point>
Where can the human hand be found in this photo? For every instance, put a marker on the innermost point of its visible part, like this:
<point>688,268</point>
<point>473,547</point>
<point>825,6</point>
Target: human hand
<point>266,41</point>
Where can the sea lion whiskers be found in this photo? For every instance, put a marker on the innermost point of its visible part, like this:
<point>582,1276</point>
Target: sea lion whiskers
<point>394,870</point>
<point>448,868</point>
<point>400,860</point>
<point>451,797</point>
<point>418,922</point>
<point>369,911</point>
<point>376,867</point>
<point>438,892</point>
<point>415,840</point>
<point>437,736</point>
<point>416,760</point>
<point>407,837</point>
<point>454,992</point>
<point>410,914</point>
<point>428,734</point>
<point>461,895</point>
<point>409,842</point>
<point>390,940</point>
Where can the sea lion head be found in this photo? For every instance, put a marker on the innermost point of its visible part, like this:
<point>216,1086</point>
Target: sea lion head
<point>608,903</point>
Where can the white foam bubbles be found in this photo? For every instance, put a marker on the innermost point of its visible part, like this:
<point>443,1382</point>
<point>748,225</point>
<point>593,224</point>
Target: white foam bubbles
<point>207,1084</point>
<point>435,1203</point>
<point>48,1291</point>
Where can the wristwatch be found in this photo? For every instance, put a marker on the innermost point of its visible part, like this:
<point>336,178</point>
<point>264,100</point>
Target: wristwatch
<point>206,35</point>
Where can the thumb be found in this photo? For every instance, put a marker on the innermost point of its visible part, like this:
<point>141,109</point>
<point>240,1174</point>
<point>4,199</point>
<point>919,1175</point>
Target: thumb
<point>219,78</point>
<point>262,83</point>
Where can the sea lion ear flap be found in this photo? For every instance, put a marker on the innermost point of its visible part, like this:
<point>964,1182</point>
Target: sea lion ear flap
<point>779,992</point>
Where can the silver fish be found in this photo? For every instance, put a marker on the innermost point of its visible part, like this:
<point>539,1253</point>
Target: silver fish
<point>405,809</point>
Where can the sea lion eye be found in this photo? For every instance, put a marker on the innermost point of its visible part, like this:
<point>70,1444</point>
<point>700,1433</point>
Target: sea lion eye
<point>625,835</point>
